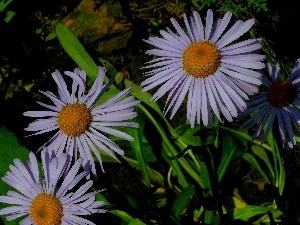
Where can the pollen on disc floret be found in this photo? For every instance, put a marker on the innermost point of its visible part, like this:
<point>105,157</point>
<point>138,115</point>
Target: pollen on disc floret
<point>201,59</point>
<point>74,119</point>
<point>46,209</point>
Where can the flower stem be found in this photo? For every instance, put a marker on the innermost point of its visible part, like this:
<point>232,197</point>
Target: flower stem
<point>170,151</point>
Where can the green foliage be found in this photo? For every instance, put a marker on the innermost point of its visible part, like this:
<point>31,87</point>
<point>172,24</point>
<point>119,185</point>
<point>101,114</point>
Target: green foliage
<point>9,14</point>
<point>249,211</point>
<point>137,147</point>
<point>230,152</point>
<point>182,200</point>
<point>237,7</point>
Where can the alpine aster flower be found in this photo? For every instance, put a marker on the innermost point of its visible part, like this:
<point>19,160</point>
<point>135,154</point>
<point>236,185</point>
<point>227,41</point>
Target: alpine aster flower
<point>81,125</point>
<point>216,75</point>
<point>41,200</point>
<point>281,100</point>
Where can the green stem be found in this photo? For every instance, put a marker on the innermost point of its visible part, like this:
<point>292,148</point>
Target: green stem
<point>123,215</point>
<point>281,173</point>
<point>174,164</point>
<point>171,151</point>
<point>195,160</point>
<point>274,154</point>
<point>181,144</point>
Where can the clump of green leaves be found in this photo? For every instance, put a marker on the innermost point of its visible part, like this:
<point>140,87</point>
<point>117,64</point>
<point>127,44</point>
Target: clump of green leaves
<point>237,7</point>
<point>9,14</point>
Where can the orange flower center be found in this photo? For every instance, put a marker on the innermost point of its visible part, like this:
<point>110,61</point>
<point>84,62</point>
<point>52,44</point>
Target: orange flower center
<point>201,59</point>
<point>74,119</point>
<point>46,209</point>
<point>281,93</point>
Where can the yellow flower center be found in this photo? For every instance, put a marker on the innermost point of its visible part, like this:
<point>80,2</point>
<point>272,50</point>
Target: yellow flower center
<point>74,119</point>
<point>46,209</point>
<point>201,59</point>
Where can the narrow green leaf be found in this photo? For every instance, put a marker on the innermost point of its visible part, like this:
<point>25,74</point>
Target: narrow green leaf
<point>278,164</point>
<point>205,178</point>
<point>261,153</point>
<point>10,149</point>
<point>4,4</point>
<point>250,159</point>
<point>188,135</point>
<point>230,152</point>
<point>148,152</point>
<point>251,211</point>
<point>182,200</point>
<point>209,217</point>
<point>265,218</point>
<point>132,201</point>
<point>121,214</point>
<point>76,51</point>
<point>137,146</point>
<point>136,222</point>
<point>83,60</point>
<point>168,150</point>
<point>9,16</point>
<point>247,137</point>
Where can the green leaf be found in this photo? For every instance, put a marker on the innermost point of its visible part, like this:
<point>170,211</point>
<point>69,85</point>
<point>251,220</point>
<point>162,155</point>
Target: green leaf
<point>250,159</point>
<point>137,146</point>
<point>261,153</point>
<point>76,51</point>
<point>247,137</point>
<point>251,211</point>
<point>205,178</point>
<point>121,214</point>
<point>132,201</point>
<point>9,16</point>
<point>230,152</point>
<point>182,200</point>
<point>10,149</point>
<point>4,4</point>
<point>148,153</point>
<point>280,175</point>
<point>188,134</point>
<point>136,222</point>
